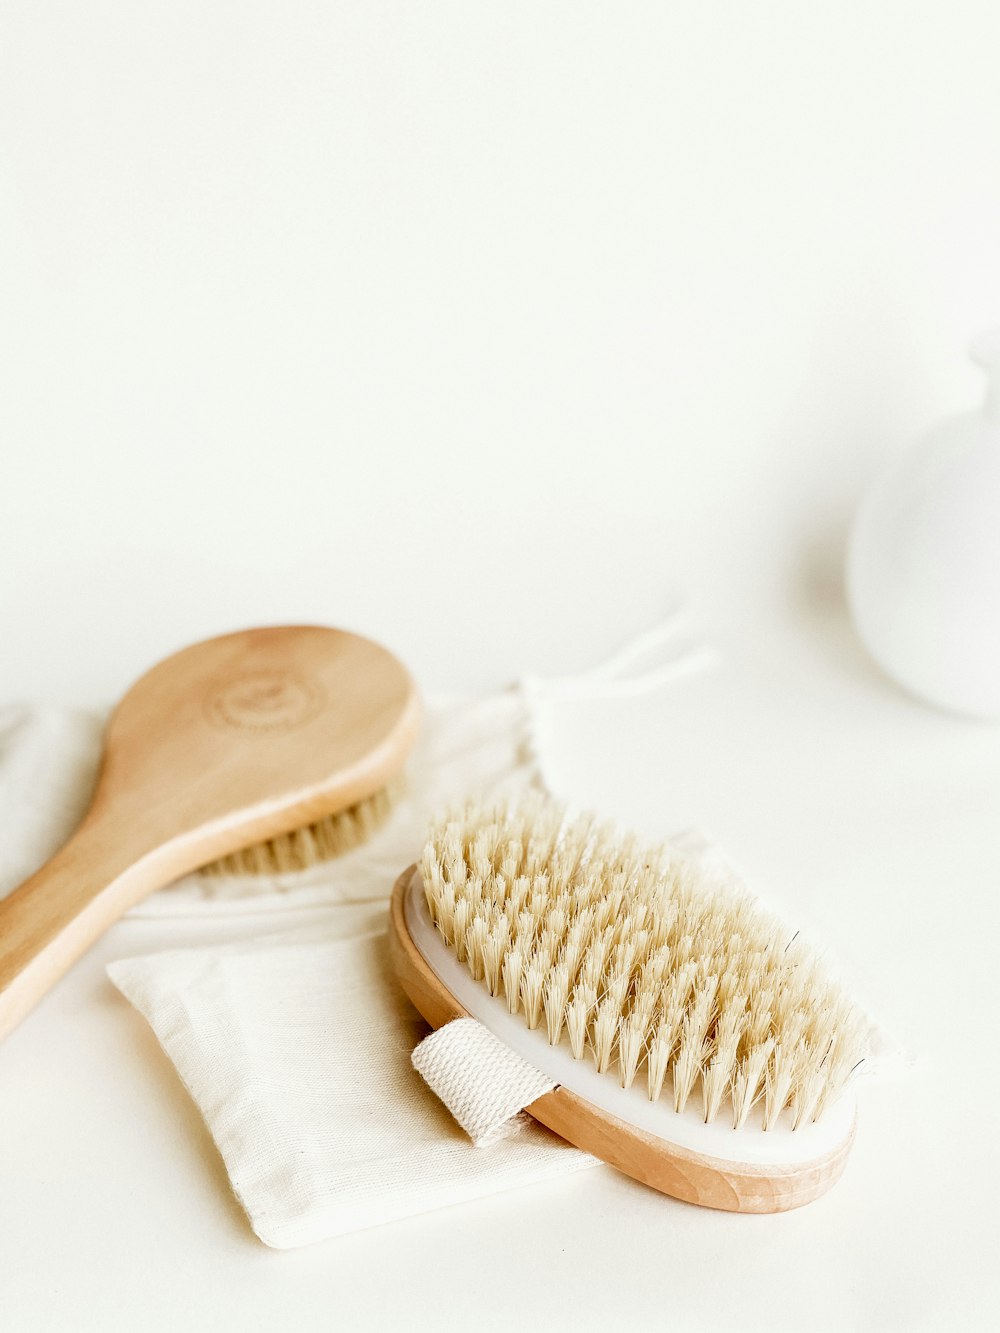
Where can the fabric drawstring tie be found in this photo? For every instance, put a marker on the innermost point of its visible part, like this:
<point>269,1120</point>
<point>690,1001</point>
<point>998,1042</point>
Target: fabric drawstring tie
<point>671,650</point>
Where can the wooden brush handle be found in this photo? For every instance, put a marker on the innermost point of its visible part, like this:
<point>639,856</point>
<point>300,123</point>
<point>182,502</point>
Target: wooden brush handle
<point>55,916</point>
<point>228,743</point>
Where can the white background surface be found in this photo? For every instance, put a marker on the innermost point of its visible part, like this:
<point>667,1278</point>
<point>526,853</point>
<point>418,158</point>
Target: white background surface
<point>481,329</point>
<point>447,320</point>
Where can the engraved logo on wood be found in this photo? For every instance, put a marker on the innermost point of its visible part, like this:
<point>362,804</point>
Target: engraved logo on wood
<point>268,701</point>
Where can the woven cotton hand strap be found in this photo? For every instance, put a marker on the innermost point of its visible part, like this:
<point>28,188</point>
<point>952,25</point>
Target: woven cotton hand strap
<point>483,1083</point>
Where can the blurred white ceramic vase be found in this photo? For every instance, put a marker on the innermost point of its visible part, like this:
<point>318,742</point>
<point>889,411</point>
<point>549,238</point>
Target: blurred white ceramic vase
<point>923,563</point>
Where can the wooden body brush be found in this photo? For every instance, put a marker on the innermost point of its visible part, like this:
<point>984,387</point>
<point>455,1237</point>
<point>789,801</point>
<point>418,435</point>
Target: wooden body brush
<point>695,1043</point>
<point>224,745</point>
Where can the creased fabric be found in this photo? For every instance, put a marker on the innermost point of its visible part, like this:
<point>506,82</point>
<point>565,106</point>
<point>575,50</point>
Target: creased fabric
<point>297,1051</point>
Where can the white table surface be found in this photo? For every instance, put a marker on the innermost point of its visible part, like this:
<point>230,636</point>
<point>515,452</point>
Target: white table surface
<point>868,816</point>
<point>479,328</point>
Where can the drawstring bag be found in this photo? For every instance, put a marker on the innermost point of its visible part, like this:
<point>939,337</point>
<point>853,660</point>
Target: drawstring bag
<point>296,1043</point>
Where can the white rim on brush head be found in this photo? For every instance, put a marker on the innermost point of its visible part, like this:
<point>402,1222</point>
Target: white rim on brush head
<point>780,1146</point>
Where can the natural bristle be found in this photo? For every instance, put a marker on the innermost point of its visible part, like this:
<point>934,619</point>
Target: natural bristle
<point>305,847</point>
<point>639,960</point>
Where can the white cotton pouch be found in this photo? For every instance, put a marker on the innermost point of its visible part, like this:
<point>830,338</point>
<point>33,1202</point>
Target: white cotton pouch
<point>297,1050</point>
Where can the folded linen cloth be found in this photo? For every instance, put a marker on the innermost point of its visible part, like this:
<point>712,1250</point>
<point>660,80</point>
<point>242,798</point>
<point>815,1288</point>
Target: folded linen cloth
<point>296,1043</point>
<point>297,1051</point>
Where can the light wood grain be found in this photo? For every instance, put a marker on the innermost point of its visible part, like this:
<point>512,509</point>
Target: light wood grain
<point>227,743</point>
<point>741,1187</point>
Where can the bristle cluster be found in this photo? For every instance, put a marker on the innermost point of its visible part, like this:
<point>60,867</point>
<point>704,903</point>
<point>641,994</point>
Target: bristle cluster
<point>641,962</point>
<point>304,847</point>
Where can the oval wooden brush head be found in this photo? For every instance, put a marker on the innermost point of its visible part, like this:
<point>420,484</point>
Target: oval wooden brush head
<point>228,743</point>
<point>693,1040</point>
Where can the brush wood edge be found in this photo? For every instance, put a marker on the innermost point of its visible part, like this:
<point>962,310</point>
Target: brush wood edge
<point>738,1187</point>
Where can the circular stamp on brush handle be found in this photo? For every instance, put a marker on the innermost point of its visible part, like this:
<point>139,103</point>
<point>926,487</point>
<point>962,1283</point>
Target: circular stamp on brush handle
<point>271,701</point>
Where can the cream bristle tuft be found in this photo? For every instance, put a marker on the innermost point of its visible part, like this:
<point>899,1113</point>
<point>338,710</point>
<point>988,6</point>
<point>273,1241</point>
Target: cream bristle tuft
<point>323,841</point>
<point>642,962</point>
